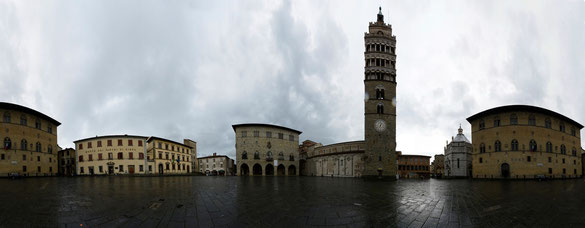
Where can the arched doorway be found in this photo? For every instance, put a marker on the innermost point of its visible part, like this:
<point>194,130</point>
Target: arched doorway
<point>280,170</point>
<point>292,170</point>
<point>160,169</point>
<point>221,172</point>
<point>269,170</point>
<point>244,170</point>
<point>257,170</point>
<point>505,170</point>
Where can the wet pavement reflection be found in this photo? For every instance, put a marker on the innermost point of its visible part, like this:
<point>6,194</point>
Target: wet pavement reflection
<point>289,201</point>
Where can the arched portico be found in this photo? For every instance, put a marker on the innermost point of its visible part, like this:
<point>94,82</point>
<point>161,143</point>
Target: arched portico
<point>257,170</point>
<point>269,170</point>
<point>292,170</point>
<point>280,170</point>
<point>244,170</point>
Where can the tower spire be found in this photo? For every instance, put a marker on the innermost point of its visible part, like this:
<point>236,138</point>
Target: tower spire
<point>380,15</point>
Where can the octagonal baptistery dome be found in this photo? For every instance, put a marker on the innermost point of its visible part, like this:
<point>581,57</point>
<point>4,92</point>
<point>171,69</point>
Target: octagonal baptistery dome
<point>29,142</point>
<point>521,141</point>
<point>266,149</point>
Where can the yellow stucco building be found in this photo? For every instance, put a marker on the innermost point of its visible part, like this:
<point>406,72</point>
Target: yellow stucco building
<point>169,157</point>
<point>111,154</point>
<point>29,142</point>
<point>521,141</point>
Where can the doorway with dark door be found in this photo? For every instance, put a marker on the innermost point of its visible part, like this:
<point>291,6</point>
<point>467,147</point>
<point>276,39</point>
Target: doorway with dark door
<point>131,169</point>
<point>505,170</point>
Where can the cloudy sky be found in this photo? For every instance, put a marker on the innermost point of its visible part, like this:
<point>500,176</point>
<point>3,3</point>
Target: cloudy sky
<point>191,69</point>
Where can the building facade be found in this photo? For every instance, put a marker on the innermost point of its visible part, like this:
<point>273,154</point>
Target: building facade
<point>111,155</point>
<point>380,100</point>
<point>344,159</point>
<point>220,165</point>
<point>30,142</point>
<point>438,166</point>
<point>458,156</point>
<point>413,166</point>
<point>521,141</point>
<point>169,157</point>
<point>192,144</point>
<point>66,162</point>
<point>266,149</point>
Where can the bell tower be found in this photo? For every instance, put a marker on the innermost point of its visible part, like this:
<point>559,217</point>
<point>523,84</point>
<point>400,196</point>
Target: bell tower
<point>380,100</point>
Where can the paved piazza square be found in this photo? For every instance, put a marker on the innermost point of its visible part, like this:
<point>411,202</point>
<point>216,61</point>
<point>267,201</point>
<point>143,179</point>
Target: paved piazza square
<point>196,201</point>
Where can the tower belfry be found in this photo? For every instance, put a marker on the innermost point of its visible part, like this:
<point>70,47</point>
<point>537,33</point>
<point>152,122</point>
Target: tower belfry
<point>380,100</point>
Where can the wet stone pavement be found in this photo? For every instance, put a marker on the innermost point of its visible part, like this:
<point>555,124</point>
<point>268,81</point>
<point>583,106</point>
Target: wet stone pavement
<point>288,202</point>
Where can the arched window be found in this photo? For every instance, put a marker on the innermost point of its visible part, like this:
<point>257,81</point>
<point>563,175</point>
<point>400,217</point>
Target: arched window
<point>573,132</point>
<point>514,145</point>
<point>256,155</point>
<point>533,145</point>
<point>23,144</point>
<point>7,143</point>
<point>6,117</point>
<point>549,147</point>
<point>245,155</point>
<point>269,155</point>
<point>563,149</point>
<point>50,149</point>
<point>513,119</point>
<point>291,157</point>
<point>481,124</point>
<point>23,120</point>
<point>562,127</point>
<point>380,94</point>
<point>38,147</point>
<point>496,121</point>
<point>280,156</point>
<point>497,146</point>
<point>547,123</point>
<point>380,108</point>
<point>482,148</point>
<point>531,120</point>
<point>574,152</point>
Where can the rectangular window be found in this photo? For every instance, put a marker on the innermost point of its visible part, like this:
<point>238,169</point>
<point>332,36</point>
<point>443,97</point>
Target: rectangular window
<point>2,156</point>
<point>549,170</point>
<point>268,134</point>
<point>130,142</point>
<point>89,145</point>
<point>159,155</point>
<point>110,156</point>
<point>528,158</point>
<point>24,157</point>
<point>80,146</point>
<point>280,136</point>
<point>130,155</point>
<point>139,142</point>
<point>120,155</point>
<point>39,158</point>
<point>244,134</point>
<point>166,146</point>
<point>256,133</point>
<point>150,168</point>
<point>99,143</point>
<point>109,142</point>
<point>81,170</point>
<point>100,157</point>
<point>291,138</point>
<point>119,142</point>
<point>24,168</point>
<point>141,168</point>
<point>38,169</point>
<point>141,155</point>
<point>90,157</point>
<point>564,171</point>
<point>574,171</point>
<point>160,145</point>
<point>101,169</point>
<point>563,161</point>
<point>121,168</point>
<point>80,158</point>
<point>549,159</point>
<point>50,129</point>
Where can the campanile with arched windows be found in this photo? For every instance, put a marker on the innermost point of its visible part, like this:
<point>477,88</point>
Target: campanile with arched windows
<point>380,99</point>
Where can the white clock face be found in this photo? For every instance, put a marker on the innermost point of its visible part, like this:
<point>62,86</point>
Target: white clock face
<point>380,125</point>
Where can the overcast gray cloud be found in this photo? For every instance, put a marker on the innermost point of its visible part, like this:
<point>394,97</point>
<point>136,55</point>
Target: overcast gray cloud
<point>191,69</point>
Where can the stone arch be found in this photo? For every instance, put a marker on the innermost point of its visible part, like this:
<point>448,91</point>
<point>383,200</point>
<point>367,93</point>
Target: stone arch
<point>257,170</point>
<point>292,170</point>
<point>244,170</point>
<point>505,170</point>
<point>280,170</point>
<point>269,170</point>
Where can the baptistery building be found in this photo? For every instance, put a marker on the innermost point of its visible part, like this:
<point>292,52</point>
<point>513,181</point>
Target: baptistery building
<point>457,160</point>
<point>29,142</point>
<point>521,141</point>
<point>266,149</point>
